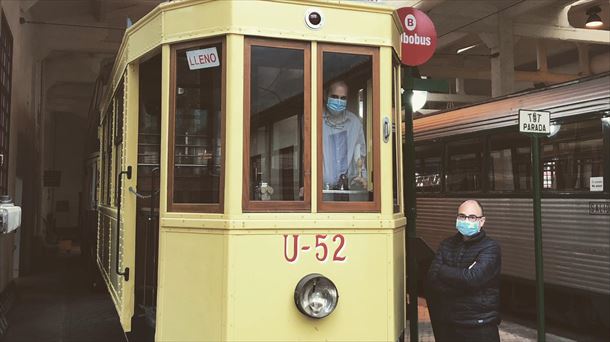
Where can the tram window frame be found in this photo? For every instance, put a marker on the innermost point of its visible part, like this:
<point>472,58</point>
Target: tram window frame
<point>107,155</point>
<point>304,204</point>
<point>604,135</point>
<point>195,207</point>
<point>396,136</point>
<point>119,108</point>
<point>347,206</point>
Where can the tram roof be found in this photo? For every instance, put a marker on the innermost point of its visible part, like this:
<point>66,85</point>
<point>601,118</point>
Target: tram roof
<point>345,22</point>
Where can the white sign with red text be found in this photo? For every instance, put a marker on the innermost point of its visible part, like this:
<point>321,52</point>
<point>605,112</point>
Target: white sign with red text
<point>204,58</point>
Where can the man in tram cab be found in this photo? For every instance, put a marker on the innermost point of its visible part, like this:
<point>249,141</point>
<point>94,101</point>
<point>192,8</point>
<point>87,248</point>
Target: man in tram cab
<point>463,285</point>
<point>343,142</point>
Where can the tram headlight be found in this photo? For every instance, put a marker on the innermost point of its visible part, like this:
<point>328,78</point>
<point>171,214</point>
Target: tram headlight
<point>316,296</point>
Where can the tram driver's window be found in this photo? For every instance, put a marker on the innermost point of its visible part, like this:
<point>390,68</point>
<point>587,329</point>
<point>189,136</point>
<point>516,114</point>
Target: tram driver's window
<point>196,125</point>
<point>278,120</point>
<point>347,127</point>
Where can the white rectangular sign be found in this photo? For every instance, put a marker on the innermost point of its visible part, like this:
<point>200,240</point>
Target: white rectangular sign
<point>534,121</point>
<point>204,58</point>
<point>596,184</point>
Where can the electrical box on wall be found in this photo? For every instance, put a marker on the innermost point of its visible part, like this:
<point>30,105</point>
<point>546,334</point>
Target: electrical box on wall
<point>10,215</point>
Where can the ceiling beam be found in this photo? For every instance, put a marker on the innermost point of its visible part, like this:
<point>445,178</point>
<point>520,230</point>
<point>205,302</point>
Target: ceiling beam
<point>562,33</point>
<point>27,4</point>
<point>445,72</point>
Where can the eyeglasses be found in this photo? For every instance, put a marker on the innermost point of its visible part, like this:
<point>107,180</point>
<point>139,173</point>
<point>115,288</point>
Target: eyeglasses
<point>338,97</point>
<point>471,218</point>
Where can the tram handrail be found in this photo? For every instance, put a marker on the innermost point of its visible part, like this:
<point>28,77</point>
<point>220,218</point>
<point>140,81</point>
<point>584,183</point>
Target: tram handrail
<point>124,273</point>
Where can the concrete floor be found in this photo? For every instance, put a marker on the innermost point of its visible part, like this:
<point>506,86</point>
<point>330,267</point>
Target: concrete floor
<point>58,304</point>
<point>510,331</point>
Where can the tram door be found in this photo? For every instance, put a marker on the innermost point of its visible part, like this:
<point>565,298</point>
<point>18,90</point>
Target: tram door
<point>147,205</point>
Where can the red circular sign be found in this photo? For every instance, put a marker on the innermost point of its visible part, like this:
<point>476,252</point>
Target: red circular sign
<point>418,38</point>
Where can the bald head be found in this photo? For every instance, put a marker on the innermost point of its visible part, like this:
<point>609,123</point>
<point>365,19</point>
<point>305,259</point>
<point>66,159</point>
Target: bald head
<point>471,207</point>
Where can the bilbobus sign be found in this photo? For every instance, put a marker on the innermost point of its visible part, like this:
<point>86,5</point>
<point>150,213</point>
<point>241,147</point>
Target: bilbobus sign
<point>418,38</point>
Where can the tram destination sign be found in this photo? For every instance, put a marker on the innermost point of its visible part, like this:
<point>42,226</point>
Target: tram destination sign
<point>534,122</point>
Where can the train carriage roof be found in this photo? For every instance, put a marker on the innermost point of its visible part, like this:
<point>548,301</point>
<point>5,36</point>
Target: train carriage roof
<point>581,96</point>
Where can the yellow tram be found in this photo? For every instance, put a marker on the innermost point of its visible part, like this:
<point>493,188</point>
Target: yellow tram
<point>251,152</point>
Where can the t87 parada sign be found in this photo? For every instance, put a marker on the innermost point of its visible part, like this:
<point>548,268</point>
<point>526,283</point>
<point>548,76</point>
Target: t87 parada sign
<point>534,121</point>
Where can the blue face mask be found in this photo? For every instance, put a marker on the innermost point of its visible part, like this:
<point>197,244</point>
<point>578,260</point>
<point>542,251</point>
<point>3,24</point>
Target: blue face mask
<point>336,105</point>
<point>467,228</point>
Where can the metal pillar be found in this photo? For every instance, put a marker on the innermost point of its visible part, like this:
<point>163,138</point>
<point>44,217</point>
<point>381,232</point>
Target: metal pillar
<point>408,166</point>
<point>537,190</point>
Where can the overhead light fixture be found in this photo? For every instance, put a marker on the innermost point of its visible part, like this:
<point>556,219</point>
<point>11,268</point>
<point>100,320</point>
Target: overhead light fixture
<point>594,21</point>
<point>466,48</point>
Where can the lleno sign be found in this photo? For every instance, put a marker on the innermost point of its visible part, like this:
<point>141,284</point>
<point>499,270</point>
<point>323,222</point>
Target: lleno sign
<point>534,122</point>
<point>418,38</point>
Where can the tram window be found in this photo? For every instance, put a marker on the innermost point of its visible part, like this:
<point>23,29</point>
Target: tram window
<point>278,114</point>
<point>463,168</point>
<point>196,152</point>
<point>107,156</point>
<point>347,126</point>
<point>509,162</point>
<point>572,156</point>
<point>428,159</point>
<point>118,138</point>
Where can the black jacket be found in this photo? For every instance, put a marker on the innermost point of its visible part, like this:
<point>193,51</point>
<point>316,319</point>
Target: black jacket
<point>464,280</point>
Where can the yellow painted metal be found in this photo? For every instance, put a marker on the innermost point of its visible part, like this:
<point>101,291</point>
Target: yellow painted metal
<point>226,276</point>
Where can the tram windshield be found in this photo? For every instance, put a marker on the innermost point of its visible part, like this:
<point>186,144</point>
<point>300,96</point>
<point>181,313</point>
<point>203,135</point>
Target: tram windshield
<point>347,126</point>
<point>277,114</point>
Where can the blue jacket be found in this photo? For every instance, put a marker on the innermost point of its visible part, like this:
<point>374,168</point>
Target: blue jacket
<point>464,280</point>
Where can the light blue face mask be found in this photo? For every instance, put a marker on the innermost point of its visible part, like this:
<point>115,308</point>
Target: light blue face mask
<point>467,228</point>
<point>336,105</point>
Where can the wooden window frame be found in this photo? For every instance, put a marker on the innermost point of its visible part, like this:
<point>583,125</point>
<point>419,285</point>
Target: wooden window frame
<point>278,206</point>
<point>196,207</point>
<point>341,206</point>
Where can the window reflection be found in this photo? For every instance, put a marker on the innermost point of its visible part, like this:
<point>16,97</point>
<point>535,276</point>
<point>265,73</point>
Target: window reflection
<point>464,160</point>
<point>509,162</point>
<point>197,137</point>
<point>347,127</point>
<point>428,167</point>
<point>276,138</point>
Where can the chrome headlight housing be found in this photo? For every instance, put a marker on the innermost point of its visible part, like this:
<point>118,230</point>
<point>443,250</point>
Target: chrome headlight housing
<point>316,296</point>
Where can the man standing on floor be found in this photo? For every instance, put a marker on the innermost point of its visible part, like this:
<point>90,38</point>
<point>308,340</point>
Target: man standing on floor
<point>464,281</point>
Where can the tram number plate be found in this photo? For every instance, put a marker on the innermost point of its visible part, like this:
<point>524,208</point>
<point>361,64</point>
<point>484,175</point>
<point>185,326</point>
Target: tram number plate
<point>599,208</point>
<point>325,247</point>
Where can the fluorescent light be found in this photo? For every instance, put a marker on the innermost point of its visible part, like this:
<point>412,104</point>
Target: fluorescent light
<point>466,48</point>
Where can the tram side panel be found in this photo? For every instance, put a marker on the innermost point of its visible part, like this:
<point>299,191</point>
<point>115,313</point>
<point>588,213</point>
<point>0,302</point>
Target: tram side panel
<point>250,290</point>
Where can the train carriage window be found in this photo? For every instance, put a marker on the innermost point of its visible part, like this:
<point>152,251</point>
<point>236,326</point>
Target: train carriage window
<point>347,125</point>
<point>197,105</point>
<point>463,168</point>
<point>428,158</point>
<point>572,156</point>
<point>509,162</point>
<point>277,125</point>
